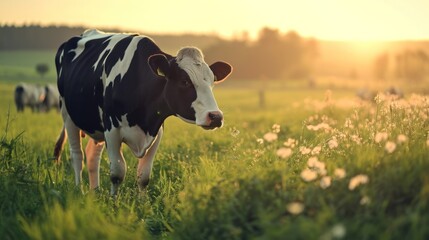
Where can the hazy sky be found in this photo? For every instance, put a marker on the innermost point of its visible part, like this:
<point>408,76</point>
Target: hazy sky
<point>323,19</point>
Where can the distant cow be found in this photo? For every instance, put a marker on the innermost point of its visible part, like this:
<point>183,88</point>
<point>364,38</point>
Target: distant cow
<point>366,94</point>
<point>29,95</point>
<point>119,88</point>
<point>52,98</point>
<point>394,91</point>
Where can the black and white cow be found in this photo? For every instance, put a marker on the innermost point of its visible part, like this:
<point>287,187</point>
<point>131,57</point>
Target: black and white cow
<point>30,95</point>
<point>119,88</point>
<point>52,97</point>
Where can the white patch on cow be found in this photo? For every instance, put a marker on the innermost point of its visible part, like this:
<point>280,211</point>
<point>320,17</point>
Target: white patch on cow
<point>191,60</point>
<point>88,36</point>
<point>100,113</point>
<point>135,138</point>
<point>113,40</point>
<point>60,60</point>
<point>122,65</point>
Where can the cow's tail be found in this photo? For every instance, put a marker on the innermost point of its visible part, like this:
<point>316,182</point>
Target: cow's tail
<point>59,145</point>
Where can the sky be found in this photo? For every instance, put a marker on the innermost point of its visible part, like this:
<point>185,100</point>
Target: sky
<point>322,19</point>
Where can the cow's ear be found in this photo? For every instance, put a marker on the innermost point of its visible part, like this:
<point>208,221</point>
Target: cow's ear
<point>221,70</point>
<point>159,64</point>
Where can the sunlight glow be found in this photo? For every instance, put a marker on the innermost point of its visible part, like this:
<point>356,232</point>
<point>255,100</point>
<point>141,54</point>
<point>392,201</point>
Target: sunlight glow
<point>328,20</point>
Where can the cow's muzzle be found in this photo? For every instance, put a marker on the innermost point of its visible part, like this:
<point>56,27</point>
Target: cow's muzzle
<point>213,120</point>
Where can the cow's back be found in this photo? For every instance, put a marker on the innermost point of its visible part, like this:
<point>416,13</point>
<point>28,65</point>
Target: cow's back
<point>87,64</point>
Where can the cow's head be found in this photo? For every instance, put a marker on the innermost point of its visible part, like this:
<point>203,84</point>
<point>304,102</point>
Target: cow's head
<point>190,80</point>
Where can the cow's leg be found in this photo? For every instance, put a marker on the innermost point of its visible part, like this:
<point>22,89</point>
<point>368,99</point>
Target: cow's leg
<point>76,152</point>
<point>118,166</point>
<point>93,153</point>
<point>145,163</point>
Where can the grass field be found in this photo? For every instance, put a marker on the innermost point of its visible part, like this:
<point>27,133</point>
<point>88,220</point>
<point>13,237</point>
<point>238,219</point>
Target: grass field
<point>311,164</point>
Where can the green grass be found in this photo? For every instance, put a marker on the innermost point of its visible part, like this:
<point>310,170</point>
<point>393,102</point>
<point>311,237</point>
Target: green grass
<point>230,183</point>
<point>20,65</point>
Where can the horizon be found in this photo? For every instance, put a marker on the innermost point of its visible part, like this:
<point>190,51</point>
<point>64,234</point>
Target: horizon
<point>332,20</point>
<point>210,34</point>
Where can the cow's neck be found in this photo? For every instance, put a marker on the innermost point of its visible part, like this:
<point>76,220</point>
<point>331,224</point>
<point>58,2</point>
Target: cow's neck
<point>157,116</point>
<point>156,110</point>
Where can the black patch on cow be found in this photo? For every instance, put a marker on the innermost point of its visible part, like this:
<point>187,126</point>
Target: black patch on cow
<point>79,82</point>
<point>117,54</point>
<point>19,101</point>
<point>112,113</point>
<point>180,92</point>
<point>135,93</point>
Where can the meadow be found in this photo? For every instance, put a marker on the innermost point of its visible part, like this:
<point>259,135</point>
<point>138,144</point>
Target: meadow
<point>310,164</point>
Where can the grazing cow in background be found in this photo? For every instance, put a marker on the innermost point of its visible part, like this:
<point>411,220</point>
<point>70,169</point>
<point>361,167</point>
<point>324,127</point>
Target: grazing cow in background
<point>52,98</point>
<point>119,88</point>
<point>29,95</point>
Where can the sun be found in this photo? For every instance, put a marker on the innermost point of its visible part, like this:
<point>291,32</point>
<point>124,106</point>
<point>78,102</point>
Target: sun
<point>363,49</point>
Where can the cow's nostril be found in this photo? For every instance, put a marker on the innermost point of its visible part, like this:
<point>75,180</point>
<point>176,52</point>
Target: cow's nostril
<point>213,116</point>
<point>215,119</point>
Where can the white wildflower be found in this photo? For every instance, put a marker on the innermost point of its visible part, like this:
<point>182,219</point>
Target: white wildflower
<point>316,150</point>
<point>390,147</point>
<point>295,208</point>
<point>338,231</point>
<point>308,175</point>
<point>284,152</point>
<point>325,182</point>
<point>317,165</point>
<point>260,141</point>
<point>365,200</point>
<point>313,162</point>
<point>348,123</point>
<point>270,137</point>
<point>340,173</point>
<point>320,126</point>
<point>276,128</point>
<point>358,180</point>
<point>380,98</point>
<point>380,136</point>
<point>312,127</point>
<point>333,143</point>
<point>290,142</point>
<point>304,151</point>
<point>355,138</point>
<point>401,139</point>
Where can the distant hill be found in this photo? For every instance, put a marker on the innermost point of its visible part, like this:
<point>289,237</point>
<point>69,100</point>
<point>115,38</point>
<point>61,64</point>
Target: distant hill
<point>49,38</point>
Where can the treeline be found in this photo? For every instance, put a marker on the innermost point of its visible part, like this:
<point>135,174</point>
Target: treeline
<point>408,64</point>
<point>272,55</point>
<point>37,37</point>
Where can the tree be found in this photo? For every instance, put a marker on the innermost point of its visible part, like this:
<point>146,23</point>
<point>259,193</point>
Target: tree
<point>42,69</point>
<point>412,65</point>
<point>273,55</point>
<point>381,65</point>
